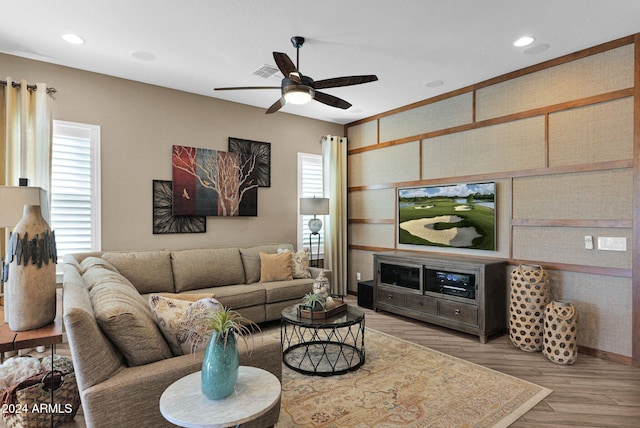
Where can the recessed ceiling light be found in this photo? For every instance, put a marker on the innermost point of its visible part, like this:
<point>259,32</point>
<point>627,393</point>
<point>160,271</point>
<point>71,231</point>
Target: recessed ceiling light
<point>73,39</point>
<point>142,55</point>
<point>433,83</point>
<point>523,41</point>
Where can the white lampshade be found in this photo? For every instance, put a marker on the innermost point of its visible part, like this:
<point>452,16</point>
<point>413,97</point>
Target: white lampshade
<point>14,198</point>
<point>298,95</point>
<point>314,206</point>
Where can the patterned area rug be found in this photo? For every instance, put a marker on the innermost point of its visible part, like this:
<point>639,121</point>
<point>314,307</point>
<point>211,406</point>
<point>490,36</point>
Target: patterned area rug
<point>403,384</point>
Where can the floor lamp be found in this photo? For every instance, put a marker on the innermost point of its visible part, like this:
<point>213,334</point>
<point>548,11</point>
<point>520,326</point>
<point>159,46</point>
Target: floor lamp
<point>314,206</point>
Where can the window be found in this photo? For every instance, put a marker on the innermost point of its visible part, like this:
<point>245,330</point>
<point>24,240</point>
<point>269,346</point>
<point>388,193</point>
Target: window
<point>309,185</point>
<point>75,187</point>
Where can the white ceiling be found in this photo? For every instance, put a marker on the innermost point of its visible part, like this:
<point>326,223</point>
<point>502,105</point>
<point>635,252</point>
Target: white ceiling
<point>202,44</point>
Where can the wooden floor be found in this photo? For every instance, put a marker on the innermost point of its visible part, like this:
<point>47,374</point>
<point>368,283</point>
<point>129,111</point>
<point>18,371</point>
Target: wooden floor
<point>590,393</point>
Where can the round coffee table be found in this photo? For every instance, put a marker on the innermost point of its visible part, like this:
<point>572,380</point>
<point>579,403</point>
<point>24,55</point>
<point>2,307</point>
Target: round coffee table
<point>322,347</point>
<point>183,403</point>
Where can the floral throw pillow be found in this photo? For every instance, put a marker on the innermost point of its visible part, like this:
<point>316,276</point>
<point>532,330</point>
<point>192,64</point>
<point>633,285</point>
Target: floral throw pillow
<point>182,322</point>
<point>299,263</point>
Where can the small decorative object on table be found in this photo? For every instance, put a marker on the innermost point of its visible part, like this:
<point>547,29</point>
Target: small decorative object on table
<point>221,360</point>
<point>313,309</point>
<point>321,285</point>
<point>32,272</point>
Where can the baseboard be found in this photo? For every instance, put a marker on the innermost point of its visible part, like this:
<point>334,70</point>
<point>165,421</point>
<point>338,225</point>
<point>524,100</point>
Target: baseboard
<point>605,355</point>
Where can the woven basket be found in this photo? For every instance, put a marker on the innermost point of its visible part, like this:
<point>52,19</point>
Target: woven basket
<point>561,333</point>
<point>529,297</point>
<point>34,404</point>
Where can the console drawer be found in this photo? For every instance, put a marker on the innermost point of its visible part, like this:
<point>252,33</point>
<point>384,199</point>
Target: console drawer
<point>390,297</point>
<point>428,305</point>
<point>467,314</point>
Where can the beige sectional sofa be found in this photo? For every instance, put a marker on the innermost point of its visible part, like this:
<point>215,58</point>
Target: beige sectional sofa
<point>122,361</point>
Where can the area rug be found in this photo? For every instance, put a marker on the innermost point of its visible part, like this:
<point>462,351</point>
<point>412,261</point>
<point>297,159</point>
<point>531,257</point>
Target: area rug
<point>402,384</point>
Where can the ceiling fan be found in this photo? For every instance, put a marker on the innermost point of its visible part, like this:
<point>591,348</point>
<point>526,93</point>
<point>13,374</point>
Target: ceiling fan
<point>299,89</point>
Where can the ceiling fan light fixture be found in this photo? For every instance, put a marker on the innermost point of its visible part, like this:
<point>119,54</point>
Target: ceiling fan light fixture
<point>298,95</point>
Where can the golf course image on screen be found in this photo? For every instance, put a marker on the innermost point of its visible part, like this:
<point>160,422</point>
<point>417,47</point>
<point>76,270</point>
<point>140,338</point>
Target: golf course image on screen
<point>452,215</point>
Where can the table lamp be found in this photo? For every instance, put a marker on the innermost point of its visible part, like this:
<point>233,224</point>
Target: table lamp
<point>314,206</point>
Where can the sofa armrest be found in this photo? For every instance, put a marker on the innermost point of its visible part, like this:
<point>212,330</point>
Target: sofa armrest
<point>110,403</point>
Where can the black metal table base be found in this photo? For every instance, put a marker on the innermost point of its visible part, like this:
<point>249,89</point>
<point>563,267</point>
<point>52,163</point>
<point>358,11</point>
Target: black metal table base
<point>322,350</point>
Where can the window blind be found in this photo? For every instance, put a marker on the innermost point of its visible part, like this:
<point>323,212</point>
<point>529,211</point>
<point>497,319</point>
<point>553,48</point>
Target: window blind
<point>73,190</point>
<point>310,185</point>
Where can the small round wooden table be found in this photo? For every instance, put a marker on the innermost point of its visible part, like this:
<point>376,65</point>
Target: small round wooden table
<point>183,403</point>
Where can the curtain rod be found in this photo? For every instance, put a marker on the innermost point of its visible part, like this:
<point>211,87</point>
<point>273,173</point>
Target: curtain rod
<point>32,87</point>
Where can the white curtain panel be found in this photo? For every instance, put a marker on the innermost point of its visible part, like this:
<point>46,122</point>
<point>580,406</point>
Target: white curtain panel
<point>334,161</point>
<point>28,134</point>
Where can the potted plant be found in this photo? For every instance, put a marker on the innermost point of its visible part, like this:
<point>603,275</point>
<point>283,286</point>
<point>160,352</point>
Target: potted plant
<point>315,301</point>
<point>221,360</point>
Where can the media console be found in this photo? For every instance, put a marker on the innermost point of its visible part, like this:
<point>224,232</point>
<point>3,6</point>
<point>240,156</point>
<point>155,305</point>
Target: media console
<point>463,293</point>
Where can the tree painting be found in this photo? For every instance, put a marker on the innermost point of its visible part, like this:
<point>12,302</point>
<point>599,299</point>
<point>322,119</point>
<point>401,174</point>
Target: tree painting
<point>213,183</point>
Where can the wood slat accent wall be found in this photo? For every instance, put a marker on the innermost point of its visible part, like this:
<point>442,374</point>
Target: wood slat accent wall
<point>561,139</point>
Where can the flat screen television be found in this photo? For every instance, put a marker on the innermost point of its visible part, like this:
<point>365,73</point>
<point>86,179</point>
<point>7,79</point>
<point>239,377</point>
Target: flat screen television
<point>451,215</point>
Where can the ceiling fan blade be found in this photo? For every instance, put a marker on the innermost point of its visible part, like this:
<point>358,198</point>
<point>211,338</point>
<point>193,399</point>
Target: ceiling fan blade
<point>285,65</point>
<point>344,81</point>
<point>276,106</point>
<point>330,100</point>
<point>246,87</point>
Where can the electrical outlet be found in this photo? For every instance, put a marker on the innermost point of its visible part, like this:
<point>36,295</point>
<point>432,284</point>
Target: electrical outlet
<point>588,242</point>
<point>358,276</point>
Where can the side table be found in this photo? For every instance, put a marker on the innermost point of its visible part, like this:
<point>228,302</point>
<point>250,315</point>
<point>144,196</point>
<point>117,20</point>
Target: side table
<point>183,403</point>
<point>44,336</point>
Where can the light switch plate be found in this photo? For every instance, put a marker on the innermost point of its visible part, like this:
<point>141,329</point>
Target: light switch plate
<point>612,243</point>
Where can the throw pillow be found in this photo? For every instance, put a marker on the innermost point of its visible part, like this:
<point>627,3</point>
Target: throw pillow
<point>182,322</point>
<point>15,370</point>
<point>299,263</point>
<point>275,267</point>
<point>124,317</point>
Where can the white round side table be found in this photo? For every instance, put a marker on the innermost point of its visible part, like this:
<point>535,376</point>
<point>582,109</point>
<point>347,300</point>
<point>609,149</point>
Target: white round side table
<point>183,403</point>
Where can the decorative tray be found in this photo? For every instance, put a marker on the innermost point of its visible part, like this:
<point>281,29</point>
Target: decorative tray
<point>306,312</point>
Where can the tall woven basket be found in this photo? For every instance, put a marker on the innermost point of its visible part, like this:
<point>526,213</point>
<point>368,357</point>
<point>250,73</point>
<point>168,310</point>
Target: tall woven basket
<point>561,333</point>
<point>529,297</point>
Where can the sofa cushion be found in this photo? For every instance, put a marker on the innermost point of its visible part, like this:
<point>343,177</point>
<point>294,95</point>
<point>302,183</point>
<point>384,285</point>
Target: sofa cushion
<point>251,260</point>
<point>90,262</point>
<point>124,316</point>
<point>239,295</point>
<point>275,267</point>
<point>187,296</point>
<point>183,322</point>
<point>98,274</point>
<point>148,271</point>
<point>280,291</point>
<point>205,268</point>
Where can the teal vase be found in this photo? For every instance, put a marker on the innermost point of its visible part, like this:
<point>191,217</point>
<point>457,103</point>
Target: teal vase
<point>220,367</point>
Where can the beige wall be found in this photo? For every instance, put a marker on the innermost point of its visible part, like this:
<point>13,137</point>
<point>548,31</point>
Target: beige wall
<point>559,143</point>
<point>139,124</point>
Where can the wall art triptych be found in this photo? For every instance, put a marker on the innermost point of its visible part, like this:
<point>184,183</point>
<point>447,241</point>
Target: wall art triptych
<point>210,182</point>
